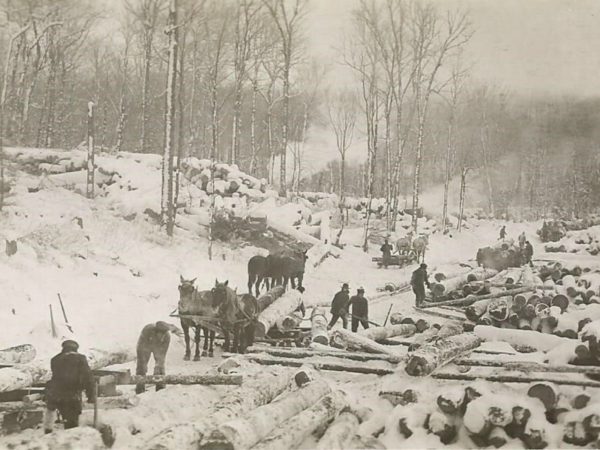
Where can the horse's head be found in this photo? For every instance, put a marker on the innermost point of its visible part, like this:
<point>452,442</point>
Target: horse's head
<point>186,289</point>
<point>220,293</point>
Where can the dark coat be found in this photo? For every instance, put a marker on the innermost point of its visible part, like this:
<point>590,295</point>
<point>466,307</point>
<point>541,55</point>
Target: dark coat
<point>386,249</point>
<point>71,375</point>
<point>528,251</point>
<point>419,278</point>
<point>340,302</point>
<point>360,306</point>
<point>151,337</point>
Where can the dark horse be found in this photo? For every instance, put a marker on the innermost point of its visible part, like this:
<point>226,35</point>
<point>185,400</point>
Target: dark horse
<point>237,315</point>
<point>201,303</point>
<point>259,270</point>
<point>292,268</point>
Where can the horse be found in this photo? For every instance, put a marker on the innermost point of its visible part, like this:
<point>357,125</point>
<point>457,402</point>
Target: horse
<point>258,271</point>
<point>419,246</point>
<point>292,268</point>
<point>202,303</point>
<point>404,245</point>
<point>237,314</point>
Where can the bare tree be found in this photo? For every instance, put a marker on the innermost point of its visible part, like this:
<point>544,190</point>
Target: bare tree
<point>287,17</point>
<point>127,36</point>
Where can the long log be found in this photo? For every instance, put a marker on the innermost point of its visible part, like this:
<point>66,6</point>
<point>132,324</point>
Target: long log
<point>513,379</point>
<point>290,362</point>
<point>292,432</point>
<point>340,433</point>
<point>472,299</point>
<point>451,284</point>
<point>252,394</point>
<point>38,371</point>
<point>437,313</point>
<point>295,352</point>
<point>377,333</point>
<point>245,432</point>
<point>348,340</point>
<point>539,341</point>
<point>187,379</point>
<point>426,359</point>
<point>318,329</point>
<point>289,322</point>
<point>526,366</point>
<point>281,307</point>
<point>299,236</point>
<point>269,297</point>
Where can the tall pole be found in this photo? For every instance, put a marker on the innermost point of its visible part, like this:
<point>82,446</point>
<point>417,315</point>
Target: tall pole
<point>90,154</point>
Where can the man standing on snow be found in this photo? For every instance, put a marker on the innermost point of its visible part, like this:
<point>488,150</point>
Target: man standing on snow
<point>528,253</point>
<point>386,250</point>
<point>360,310</point>
<point>70,376</point>
<point>418,281</point>
<point>503,232</point>
<point>154,340</point>
<point>339,307</point>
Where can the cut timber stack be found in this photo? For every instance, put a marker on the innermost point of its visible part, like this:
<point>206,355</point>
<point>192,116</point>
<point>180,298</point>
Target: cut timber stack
<point>245,432</point>
<point>280,308</point>
<point>446,286</point>
<point>427,358</point>
<point>319,327</point>
<point>251,395</point>
<point>292,432</point>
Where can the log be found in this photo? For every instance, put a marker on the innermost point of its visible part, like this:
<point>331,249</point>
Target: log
<point>269,297</point>
<point>336,367</point>
<point>252,394</point>
<point>340,433</point>
<point>81,438</point>
<point>299,236</point>
<point>513,379</point>
<point>348,340</point>
<point>318,330</point>
<point>476,310</point>
<point>377,333</point>
<point>38,371</point>
<point>187,379</point>
<point>423,338</point>
<point>245,432</point>
<point>473,299</point>
<point>432,356</point>
<point>526,366</point>
<point>295,352</point>
<point>292,432</point>
<point>477,274</point>
<point>289,322</point>
<point>20,354</point>
<point>441,425</point>
<point>281,307</point>
<point>539,341</point>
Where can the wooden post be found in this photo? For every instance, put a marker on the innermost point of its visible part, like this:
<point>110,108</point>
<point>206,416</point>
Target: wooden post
<point>95,402</point>
<point>64,313</point>
<point>52,322</point>
<point>388,314</point>
<point>90,154</point>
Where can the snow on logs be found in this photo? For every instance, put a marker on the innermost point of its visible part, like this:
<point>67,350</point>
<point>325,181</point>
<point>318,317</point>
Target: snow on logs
<point>280,308</point>
<point>379,333</point>
<point>251,395</point>
<point>245,432</point>
<point>269,297</point>
<point>38,371</point>
<point>451,284</point>
<point>318,330</point>
<point>340,433</point>
<point>21,354</point>
<point>187,379</point>
<point>524,338</point>
<point>345,339</point>
<point>81,438</point>
<point>427,358</point>
<point>293,432</point>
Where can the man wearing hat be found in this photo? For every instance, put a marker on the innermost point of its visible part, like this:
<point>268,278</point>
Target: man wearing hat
<point>360,310</point>
<point>339,307</point>
<point>418,281</point>
<point>70,376</point>
<point>154,340</point>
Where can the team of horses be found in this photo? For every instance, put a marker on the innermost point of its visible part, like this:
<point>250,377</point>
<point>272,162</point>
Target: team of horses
<point>222,309</point>
<point>407,244</point>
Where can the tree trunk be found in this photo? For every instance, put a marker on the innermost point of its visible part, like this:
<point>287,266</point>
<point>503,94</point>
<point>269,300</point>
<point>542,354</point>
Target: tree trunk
<point>257,424</point>
<point>292,432</point>
<point>426,359</point>
<point>340,433</point>
<point>253,149</point>
<point>377,333</point>
<point>295,352</point>
<point>122,107</point>
<point>348,340</point>
<point>167,197</point>
<point>447,175</point>
<point>284,126</point>
<point>268,298</point>
<point>486,168</point>
<point>90,153</point>
<point>470,300</point>
<point>461,207</point>
<point>540,341</point>
<point>148,37</point>
<point>257,392</point>
<point>188,379</point>
<point>281,307</point>
<point>417,172</point>
<point>319,327</point>
<point>181,127</point>
<point>237,119</point>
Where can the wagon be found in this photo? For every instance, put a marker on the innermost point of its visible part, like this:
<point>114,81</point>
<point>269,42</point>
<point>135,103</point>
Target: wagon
<point>397,260</point>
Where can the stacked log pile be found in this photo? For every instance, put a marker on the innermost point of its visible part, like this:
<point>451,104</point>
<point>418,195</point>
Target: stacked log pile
<point>471,283</point>
<point>277,312</point>
<point>582,242</point>
<point>500,257</point>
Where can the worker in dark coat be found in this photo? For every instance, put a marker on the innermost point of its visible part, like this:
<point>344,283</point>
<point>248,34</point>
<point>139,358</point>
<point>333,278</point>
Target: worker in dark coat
<point>503,232</point>
<point>418,281</point>
<point>154,340</point>
<point>71,375</point>
<point>386,250</point>
<point>528,253</point>
<point>360,310</point>
<point>339,307</point>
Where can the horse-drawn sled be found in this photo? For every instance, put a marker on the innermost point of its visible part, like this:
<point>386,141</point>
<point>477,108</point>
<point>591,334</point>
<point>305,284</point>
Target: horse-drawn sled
<point>396,260</point>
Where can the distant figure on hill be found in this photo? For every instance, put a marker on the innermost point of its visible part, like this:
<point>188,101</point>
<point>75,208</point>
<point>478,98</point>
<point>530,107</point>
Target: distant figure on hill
<point>360,310</point>
<point>339,307</point>
<point>386,250</point>
<point>154,340</point>
<point>418,281</point>
<point>503,232</point>
<point>71,375</point>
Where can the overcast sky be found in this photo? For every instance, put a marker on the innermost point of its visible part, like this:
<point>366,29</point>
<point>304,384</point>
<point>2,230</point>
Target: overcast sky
<point>527,46</point>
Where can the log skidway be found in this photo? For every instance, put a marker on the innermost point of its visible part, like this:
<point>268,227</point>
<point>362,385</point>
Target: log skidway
<point>308,353</point>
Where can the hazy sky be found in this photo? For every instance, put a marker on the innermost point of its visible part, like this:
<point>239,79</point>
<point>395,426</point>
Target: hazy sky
<point>528,46</point>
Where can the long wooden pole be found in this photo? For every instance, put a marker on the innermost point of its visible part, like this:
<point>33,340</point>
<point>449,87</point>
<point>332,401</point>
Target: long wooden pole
<point>526,366</point>
<point>513,379</point>
<point>52,322</point>
<point>64,313</point>
<point>96,381</point>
